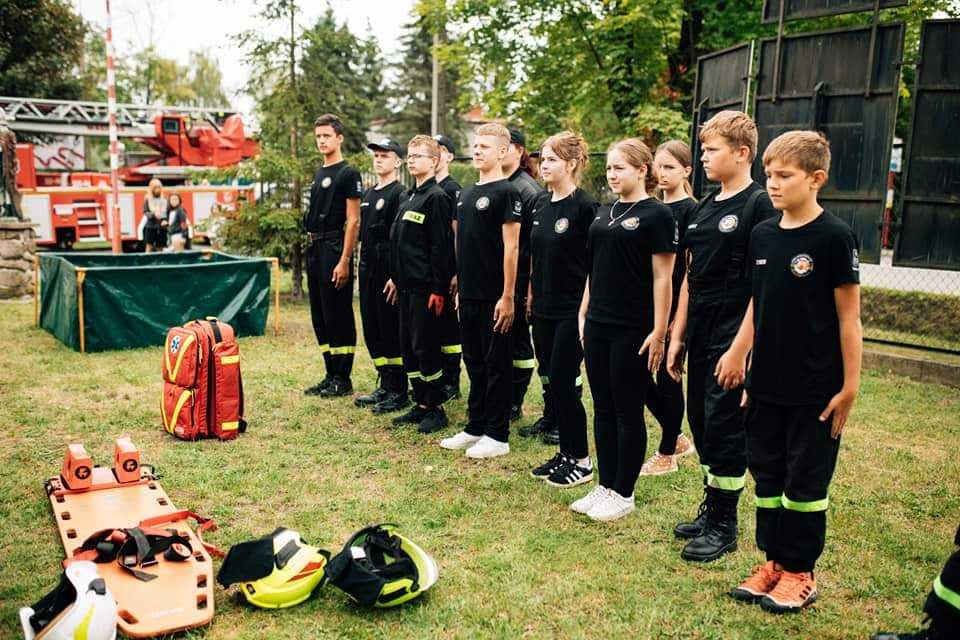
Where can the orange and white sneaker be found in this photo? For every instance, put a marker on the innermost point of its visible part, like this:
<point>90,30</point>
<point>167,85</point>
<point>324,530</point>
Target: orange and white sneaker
<point>684,447</point>
<point>761,582</point>
<point>793,592</point>
<point>658,465</point>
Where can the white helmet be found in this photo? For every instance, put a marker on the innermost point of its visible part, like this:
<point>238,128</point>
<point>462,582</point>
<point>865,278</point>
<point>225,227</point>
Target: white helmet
<point>80,606</point>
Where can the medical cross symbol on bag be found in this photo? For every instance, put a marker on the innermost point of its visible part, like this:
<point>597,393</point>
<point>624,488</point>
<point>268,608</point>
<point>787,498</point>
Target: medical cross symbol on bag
<point>175,344</point>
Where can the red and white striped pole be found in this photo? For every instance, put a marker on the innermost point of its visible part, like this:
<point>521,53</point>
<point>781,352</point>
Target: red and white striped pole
<point>114,157</point>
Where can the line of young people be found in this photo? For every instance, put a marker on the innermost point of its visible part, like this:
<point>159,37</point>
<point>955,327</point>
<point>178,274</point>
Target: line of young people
<point>770,278</point>
<point>775,278</point>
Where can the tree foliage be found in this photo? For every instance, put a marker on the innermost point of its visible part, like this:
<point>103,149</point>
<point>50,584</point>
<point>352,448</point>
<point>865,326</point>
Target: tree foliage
<point>296,77</point>
<point>410,92</point>
<point>41,47</point>
<point>580,64</point>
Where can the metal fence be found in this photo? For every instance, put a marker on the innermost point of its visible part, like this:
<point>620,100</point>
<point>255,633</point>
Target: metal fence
<point>845,83</point>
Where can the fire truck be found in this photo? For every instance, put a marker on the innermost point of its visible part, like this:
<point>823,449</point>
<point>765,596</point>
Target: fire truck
<point>73,206</point>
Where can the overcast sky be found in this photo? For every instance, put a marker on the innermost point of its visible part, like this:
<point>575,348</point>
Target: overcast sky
<point>180,26</point>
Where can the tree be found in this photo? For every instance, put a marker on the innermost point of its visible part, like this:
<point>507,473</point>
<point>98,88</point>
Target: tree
<point>343,75</point>
<point>581,64</point>
<point>410,92</point>
<point>41,42</point>
<point>206,80</point>
<point>294,79</point>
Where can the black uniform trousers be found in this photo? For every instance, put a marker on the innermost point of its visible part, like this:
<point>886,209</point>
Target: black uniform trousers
<point>618,380</point>
<point>943,601</point>
<point>420,335</point>
<point>331,309</point>
<point>549,405</point>
<point>381,320</point>
<point>559,355</point>
<point>665,401</point>
<point>488,357</point>
<point>523,360</point>
<point>715,416</point>
<point>450,343</point>
<point>792,458</point>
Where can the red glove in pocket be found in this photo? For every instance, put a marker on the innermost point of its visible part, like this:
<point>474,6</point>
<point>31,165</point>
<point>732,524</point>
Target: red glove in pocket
<point>435,304</point>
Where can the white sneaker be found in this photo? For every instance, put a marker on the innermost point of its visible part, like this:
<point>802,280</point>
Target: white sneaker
<point>462,440</point>
<point>487,447</point>
<point>613,507</point>
<point>584,504</point>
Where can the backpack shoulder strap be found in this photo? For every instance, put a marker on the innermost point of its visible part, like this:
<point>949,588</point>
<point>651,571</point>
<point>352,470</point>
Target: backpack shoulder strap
<point>738,257</point>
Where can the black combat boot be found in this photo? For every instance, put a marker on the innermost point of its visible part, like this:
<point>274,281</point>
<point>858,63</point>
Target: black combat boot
<point>719,535</point>
<point>689,530</point>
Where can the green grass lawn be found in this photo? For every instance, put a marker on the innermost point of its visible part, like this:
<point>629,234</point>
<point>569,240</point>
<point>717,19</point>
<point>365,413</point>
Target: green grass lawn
<point>515,562</point>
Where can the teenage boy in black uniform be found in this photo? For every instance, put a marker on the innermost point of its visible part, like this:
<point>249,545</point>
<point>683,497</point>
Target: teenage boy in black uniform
<point>712,303</point>
<point>449,323</point>
<point>331,224</point>
<point>515,168</point>
<point>420,276</point>
<point>381,323</point>
<point>488,238</point>
<point>803,333</point>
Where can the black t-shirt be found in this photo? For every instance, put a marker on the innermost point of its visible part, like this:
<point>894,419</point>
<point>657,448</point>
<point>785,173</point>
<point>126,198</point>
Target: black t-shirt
<point>420,240</point>
<point>681,210</point>
<point>530,191</point>
<point>559,250</point>
<point>452,188</point>
<point>796,348</point>
<point>482,210</point>
<point>622,241</point>
<point>713,233</point>
<point>178,221</point>
<point>332,187</point>
<point>377,212</point>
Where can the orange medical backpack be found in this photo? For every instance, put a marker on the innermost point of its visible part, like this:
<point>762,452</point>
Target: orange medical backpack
<point>202,387</point>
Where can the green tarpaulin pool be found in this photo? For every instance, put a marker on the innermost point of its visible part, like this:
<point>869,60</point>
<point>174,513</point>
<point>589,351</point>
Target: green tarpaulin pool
<point>101,301</point>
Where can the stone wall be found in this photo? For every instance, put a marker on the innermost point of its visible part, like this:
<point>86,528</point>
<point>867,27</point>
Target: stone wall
<point>17,252</point>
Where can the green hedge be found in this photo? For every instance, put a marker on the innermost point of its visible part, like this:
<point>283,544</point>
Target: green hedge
<point>921,314</point>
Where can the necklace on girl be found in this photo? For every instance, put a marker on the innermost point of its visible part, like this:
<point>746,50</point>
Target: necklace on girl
<point>613,207</point>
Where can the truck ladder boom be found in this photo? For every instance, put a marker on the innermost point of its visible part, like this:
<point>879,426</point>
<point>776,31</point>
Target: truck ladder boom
<point>71,117</point>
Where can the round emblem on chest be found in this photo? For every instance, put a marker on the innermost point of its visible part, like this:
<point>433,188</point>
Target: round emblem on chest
<point>380,204</point>
<point>483,203</point>
<point>728,223</point>
<point>801,265</point>
<point>326,182</point>
<point>561,225</point>
<point>630,224</point>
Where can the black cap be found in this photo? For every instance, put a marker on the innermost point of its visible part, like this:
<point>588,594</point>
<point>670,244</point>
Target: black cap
<point>517,137</point>
<point>444,141</point>
<point>536,152</point>
<point>386,144</point>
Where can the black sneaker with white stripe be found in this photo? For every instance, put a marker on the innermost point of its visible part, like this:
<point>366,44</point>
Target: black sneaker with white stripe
<point>543,471</point>
<point>570,474</point>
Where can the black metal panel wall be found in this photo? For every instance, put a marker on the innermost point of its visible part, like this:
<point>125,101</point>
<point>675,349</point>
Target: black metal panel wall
<point>799,9</point>
<point>722,83</point>
<point>930,198</point>
<point>844,84</point>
